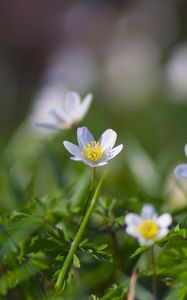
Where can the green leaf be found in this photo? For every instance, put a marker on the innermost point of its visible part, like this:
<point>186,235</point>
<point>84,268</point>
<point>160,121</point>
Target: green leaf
<point>102,247</point>
<point>76,261</point>
<point>59,258</point>
<point>139,251</point>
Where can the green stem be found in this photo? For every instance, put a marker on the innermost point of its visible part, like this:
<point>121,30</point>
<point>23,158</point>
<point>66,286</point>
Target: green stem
<point>154,273</point>
<point>75,243</point>
<point>89,195</point>
<point>93,180</point>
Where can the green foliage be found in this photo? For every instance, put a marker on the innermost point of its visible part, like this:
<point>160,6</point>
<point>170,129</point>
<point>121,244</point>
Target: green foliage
<point>43,197</point>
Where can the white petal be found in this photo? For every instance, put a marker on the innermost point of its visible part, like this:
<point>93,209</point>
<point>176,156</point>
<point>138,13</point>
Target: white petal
<point>185,149</point>
<point>59,114</point>
<point>132,231</point>
<point>84,106</point>
<point>93,164</point>
<point>145,242</point>
<point>89,163</point>
<point>47,125</point>
<point>73,149</point>
<point>162,233</point>
<point>75,158</point>
<point>181,171</point>
<point>115,151</point>
<point>132,219</point>
<point>164,220</point>
<point>101,164</point>
<point>72,102</point>
<point>84,136</point>
<point>148,212</point>
<point>108,139</point>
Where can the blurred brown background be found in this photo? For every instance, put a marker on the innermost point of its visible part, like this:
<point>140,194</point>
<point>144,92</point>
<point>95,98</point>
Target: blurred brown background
<point>126,52</point>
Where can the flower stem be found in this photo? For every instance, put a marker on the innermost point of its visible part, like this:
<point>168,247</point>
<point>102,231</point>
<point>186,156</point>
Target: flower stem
<point>154,273</point>
<point>91,189</point>
<point>93,180</point>
<point>89,195</point>
<point>75,243</point>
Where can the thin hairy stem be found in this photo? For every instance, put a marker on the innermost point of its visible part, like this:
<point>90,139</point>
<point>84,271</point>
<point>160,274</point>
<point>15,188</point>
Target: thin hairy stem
<point>76,241</point>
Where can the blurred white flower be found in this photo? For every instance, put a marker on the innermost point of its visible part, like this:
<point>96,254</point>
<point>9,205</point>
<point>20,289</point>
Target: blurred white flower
<point>50,95</point>
<point>72,112</point>
<point>148,227</point>
<point>181,170</point>
<point>176,72</point>
<point>91,152</point>
<point>174,192</point>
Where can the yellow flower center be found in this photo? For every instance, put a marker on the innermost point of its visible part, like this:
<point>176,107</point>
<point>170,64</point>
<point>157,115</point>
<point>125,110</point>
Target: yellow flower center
<point>148,229</point>
<point>93,151</point>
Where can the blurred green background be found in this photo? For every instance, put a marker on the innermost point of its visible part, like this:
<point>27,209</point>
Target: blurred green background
<point>132,55</point>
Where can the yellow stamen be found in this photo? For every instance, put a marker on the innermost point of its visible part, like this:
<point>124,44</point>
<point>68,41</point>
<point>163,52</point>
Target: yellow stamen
<point>148,229</point>
<point>93,151</point>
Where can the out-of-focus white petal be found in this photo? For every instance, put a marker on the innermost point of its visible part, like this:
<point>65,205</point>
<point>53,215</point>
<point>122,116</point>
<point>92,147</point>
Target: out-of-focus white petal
<point>145,242</point>
<point>115,151</point>
<point>162,233</point>
<point>84,137</point>
<point>73,149</point>
<point>185,149</point>
<point>148,212</point>
<point>132,231</point>
<point>108,139</point>
<point>181,171</point>
<point>72,102</point>
<point>59,114</point>
<point>84,106</point>
<point>132,219</point>
<point>72,111</point>
<point>62,119</point>
<point>164,220</point>
<point>47,125</point>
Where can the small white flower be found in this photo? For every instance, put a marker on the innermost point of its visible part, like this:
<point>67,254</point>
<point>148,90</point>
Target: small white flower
<point>72,112</point>
<point>147,227</point>
<point>91,152</point>
<point>181,170</point>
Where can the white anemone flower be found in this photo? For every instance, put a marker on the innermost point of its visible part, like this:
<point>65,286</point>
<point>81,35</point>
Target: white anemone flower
<point>147,227</point>
<point>72,112</point>
<point>181,170</point>
<point>91,152</point>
